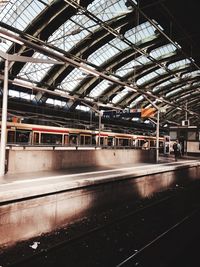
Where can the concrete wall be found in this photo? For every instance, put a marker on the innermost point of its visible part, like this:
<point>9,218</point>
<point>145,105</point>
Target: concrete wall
<point>22,160</point>
<point>30,217</point>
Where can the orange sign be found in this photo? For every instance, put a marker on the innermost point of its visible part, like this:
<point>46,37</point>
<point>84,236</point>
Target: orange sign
<point>147,112</point>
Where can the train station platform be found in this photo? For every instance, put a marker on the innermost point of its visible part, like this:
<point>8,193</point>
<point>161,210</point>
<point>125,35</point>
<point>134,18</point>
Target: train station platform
<point>35,203</point>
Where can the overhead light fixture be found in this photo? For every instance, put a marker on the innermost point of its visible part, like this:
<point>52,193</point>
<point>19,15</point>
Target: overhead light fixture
<point>10,39</point>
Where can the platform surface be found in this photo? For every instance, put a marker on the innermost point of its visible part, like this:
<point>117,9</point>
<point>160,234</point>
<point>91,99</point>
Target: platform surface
<point>13,187</point>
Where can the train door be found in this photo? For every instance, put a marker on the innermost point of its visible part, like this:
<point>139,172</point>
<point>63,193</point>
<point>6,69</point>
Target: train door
<point>65,139</point>
<point>94,140</point>
<point>103,141</point>
<point>11,137</point>
<point>166,145</point>
<point>152,144</point>
<point>117,141</point>
<point>36,138</point>
<point>111,141</point>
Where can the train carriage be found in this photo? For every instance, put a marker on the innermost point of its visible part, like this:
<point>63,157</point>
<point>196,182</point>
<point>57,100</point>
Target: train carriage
<point>31,134</point>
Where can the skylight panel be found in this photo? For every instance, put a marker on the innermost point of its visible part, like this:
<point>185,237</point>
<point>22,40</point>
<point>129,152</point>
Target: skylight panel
<point>129,67</point>
<point>99,89</point>
<point>106,10</point>
<point>196,84</point>
<point>173,92</point>
<point>164,84</point>
<point>35,71</point>
<point>150,76</point>
<point>4,44</point>
<point>72,80</point>
<point>136,101</point>
<point>163,51</point>
<point>20,13</point>
<point>120,96</point>
<point>103,54</point>
<point>142,60</point>
<point>79,26</point>
<point>191,74</point>
<point>185,96</point>
<point>13,93</point>
<point>72,32</point>
<point>50,101</point>
<point>118,44</point>
<point>142,33</point>
<point>83,108</point>
<point>179,64</point>
<point>25,96</point>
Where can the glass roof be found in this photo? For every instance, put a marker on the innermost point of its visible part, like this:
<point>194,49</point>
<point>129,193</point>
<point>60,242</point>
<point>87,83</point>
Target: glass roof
<point>163,51</point>
<point>171,81</point>
<point>103,54</point>
<point>150,76</point>
<point>105,10</point>
<point>72,80</point>
<point>142,33</point>
<point>83,108</point>
<point>72,32</point>
<point>99,89</point>
<point>73,35</point>
<point>136,101</point>
<point>179,64</point>
<point>117,46</point>
<point>20,13</point>
<point>35,71</point>
<point>125,69</point>
<point>120,96</point>
<point>191,74</point>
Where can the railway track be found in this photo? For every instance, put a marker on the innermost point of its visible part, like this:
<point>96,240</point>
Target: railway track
<point>145,256</point>
<point>123,241</point>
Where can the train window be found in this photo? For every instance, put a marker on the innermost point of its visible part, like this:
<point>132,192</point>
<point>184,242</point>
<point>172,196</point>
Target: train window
<point>85,140</point>
<point>110,141</point>
<point>36,138</point>
<point>51,138</point>
<point>152,144</point>
<point>11,137</point>
<point>73,139</point>
<point>192,136</point>
<point>141,142</point>
<point>22,136</point>
<point>123,142</point>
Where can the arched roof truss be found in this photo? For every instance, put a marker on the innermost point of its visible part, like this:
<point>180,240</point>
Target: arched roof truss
<point>114,54</point>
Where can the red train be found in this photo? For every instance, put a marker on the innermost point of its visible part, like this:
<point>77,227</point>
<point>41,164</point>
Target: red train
<point>31,134</point>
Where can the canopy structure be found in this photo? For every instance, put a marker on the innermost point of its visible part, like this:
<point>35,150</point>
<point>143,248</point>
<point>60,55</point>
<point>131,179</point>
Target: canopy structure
<point>115,55</point>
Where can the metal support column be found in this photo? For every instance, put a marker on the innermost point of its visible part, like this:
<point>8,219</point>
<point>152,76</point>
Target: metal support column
<point>157,127</point>
<point>99,143</point>
<point>157,135</point>
<point>4,121</point>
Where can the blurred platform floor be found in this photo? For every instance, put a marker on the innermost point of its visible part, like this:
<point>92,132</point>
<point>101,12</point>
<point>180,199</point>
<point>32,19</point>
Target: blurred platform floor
<point>92,175</point>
